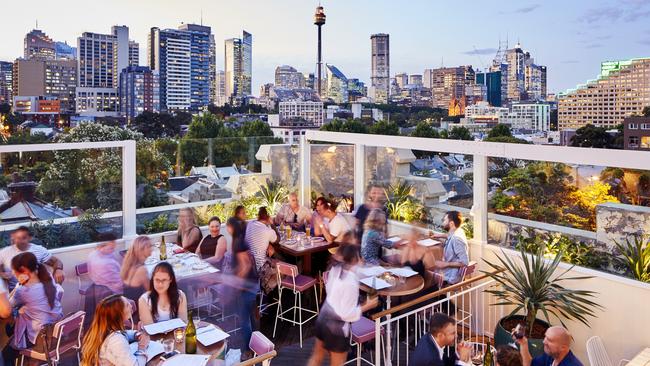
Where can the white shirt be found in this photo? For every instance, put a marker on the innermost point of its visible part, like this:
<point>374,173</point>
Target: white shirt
<point>287,214</point>
<point>339,226</point>
<point>8,253</point>
<point>115,351</point>
<point>343,294</point>
<point>258,237</point>
<point>441,350</point>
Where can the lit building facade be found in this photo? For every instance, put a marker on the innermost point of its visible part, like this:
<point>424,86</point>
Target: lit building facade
<point>6,82</point>
<point>415,79</point>
<point>238,61</point>
<point>39,45</point>
<point>202,65</point>
<point>492,82</point>
<point>220,89</point>
<point>288,77</point>
<point>309,111</point>
<point>402,80</point>
<point>134,53</point>
<point>47,78</point>
<point>530,116</point>
<point>169,55</point>
<point>621,90</point>
<point>447,83</point>
<point>337,84</point>
<point>139,91</point>
<point>380,72</point>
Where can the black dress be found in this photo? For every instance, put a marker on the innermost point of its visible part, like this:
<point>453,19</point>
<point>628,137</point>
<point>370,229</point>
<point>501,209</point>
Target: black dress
<point>208,246</point>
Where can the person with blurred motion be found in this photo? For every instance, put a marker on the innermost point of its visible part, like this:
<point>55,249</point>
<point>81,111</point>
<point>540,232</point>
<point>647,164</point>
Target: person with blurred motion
<point>107,341</point>
<point>507,356</point>
<point>374,237</point>
<point>557,349</point>
<point>431,349</point>
<point>5,318</point>
<point>21,242</point>
<point>164,301</point>
<point>336,225</point>
<point>260,234</point>
<point>37,299</point>
<point>341,308</point>
<point>189,234</point>
<point>104,267</point>
<point>293,214</point>
<point>134,273</point>
<point>376,194</point>
<point>455,255</point>
<point>213,246</point>
<point>240,213</point>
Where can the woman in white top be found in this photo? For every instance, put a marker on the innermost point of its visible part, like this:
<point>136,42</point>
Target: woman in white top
<point>341,308</point>
<point>107,341</point>
<point>165,301</point>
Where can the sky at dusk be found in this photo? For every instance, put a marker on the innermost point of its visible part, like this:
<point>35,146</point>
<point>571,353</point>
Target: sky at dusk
<point>571,37</point>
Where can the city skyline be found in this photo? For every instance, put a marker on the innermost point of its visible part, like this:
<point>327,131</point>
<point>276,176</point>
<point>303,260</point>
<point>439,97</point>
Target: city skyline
<point>571,42</point>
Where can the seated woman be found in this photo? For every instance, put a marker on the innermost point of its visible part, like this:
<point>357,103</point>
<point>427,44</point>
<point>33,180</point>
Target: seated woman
<point>37,299</point>
<point>214,245</point>
<point>374,237</point>
<point>134,273</point>
<point>189,234</point>
<point>107,342</point>
<point>164,301</point>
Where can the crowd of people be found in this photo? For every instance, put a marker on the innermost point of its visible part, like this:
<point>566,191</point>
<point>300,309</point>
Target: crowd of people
<point>124,289</point>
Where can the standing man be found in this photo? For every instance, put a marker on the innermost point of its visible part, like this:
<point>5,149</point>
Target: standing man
<point>431,351</point>
<point>557,349</point>
<point>455,254</point>
<point>375,200</point>
<point>21,240</point>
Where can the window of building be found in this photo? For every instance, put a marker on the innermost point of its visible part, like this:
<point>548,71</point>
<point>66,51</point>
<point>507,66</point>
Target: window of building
<point>633,126</point>
<point>633,141</point>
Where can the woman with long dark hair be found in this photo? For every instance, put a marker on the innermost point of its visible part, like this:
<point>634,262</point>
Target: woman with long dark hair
<point>164,301</point>
<point>107,342</point>
<point>37,299</point>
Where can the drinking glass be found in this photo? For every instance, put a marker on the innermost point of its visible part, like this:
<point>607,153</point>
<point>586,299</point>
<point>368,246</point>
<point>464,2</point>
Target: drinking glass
<point>168,345</point>
<point>179,335</point>
<point>308,231</point>
<point>196,318</point>
<point>477,356</point>
<point>288,231</point>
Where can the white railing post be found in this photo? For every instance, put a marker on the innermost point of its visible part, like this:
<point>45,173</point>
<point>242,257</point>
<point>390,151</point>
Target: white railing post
<point>480,209</point>
<point>305,171</point>
<point>359,174</point>
<point>129,196</point>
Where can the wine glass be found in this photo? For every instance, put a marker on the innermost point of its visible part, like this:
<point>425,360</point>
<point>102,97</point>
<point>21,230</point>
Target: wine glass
<point>477,356</point>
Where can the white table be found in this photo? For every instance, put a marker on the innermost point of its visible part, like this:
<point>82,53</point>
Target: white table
<point>185,264</point>
<point>641,359</point>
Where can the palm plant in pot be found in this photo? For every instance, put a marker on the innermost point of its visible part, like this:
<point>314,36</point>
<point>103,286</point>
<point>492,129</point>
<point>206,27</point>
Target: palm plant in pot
<point>531,287</point>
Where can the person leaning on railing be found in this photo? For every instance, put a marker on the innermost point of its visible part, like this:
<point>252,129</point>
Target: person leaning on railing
<point>557,349</point>
<point>21,240</point>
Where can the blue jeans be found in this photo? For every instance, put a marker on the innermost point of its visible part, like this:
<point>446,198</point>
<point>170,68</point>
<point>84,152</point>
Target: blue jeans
<point>246,314</point>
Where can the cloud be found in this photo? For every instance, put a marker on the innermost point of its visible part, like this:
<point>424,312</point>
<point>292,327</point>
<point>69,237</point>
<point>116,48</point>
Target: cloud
<point>481,51</point>
<point>636,15</point>
<point>627,10</point>
<point>527,9</point>
<point>645,41</point>
<point>602,14</point>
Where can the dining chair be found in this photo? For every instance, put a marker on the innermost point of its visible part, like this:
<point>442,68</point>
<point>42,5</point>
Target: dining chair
<point>598,355</point>
<point>81,270</point>
<point>290,280</point>
<point>66,336</point>
<point>260,345</point>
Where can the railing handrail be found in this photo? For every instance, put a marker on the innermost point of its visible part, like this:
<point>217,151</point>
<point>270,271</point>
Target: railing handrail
<point>259,359</point>
<point>432,295</point>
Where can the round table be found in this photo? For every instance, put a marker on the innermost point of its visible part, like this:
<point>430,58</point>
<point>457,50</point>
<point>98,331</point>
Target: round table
<point>213,350</point>
<point>411,286</point>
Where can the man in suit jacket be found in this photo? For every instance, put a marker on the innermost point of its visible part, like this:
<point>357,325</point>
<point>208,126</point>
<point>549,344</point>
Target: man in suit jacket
<point>431,348</point>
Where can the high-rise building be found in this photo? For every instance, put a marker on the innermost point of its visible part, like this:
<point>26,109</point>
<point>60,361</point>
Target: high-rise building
<point>202,65</point>
<point>213,70</point>
<point>356,89</point>
<point>337,84</point>
<point>6,82</point>
<point>447,83</point>
<point>380,72</point>
<point>402,79</point>
<point>54,79</point>
<point>139,91</point>
<point>220,89</point>
<point>100,58</point>
<point>64,51</point>
<point>530,116</point>
<point>169,54</point>
<point>39,46</point>
<point>288,77</point>
<point>621,90</point>
<point>415,79</point>
<point>134,53</point>
<point>309,111</point>
<point>521,78</point>
<point>492,81</point>
<point>238,65</point>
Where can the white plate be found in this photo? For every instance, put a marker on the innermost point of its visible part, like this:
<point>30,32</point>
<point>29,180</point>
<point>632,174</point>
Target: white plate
<point>200,265</point>
<point>151,260</point>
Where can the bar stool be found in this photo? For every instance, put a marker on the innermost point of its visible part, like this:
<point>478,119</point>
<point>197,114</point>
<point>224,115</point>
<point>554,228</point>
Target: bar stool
<point>288,278</point>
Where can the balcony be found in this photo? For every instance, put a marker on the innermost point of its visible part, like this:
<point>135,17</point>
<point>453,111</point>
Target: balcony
<point>475,178</point>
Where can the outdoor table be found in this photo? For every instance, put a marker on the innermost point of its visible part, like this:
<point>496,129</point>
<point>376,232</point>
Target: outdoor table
<point>212,350</point>
<point>641,359</point>
<point>410,286</point>
<point>299,247</point>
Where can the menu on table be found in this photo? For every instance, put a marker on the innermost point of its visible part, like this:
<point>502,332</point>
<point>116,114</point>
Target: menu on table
<point>153,349</point>
<point>428,242</point>
<point>376,283</point>
<point>164,327</point>
<point>210,335</point>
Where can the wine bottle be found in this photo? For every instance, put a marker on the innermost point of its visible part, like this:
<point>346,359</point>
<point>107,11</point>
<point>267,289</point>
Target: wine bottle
<point>488,359</point>
<point>163,249</point>
<point>190,335</point>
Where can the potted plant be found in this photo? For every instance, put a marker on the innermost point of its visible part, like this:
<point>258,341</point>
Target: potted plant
<point>532,287</point>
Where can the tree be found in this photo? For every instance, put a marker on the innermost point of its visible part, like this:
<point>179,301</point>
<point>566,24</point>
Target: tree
<point>646,111</point>
<point>424,129</point>
<point>156,125</point>
<point>500,130</point>
<point>460,133</point>
<point>5,108</point>
<point>150,197</point>
<point>591,136</point>
<point>205,126</point>
<point>351,126</point>
<point>384,128</point>
<point>507,139</point>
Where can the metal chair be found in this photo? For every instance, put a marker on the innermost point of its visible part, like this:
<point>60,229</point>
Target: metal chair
<point>260,345</point>
<point>66,336</point>
<point>289,279</point>
<point>81,270</point>
<point>598,355</point>
<point>468,270</point>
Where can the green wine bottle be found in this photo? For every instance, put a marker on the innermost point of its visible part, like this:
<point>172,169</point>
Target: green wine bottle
<point>163,249</point>
<point>488,359</point>
<point>190,335</point>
